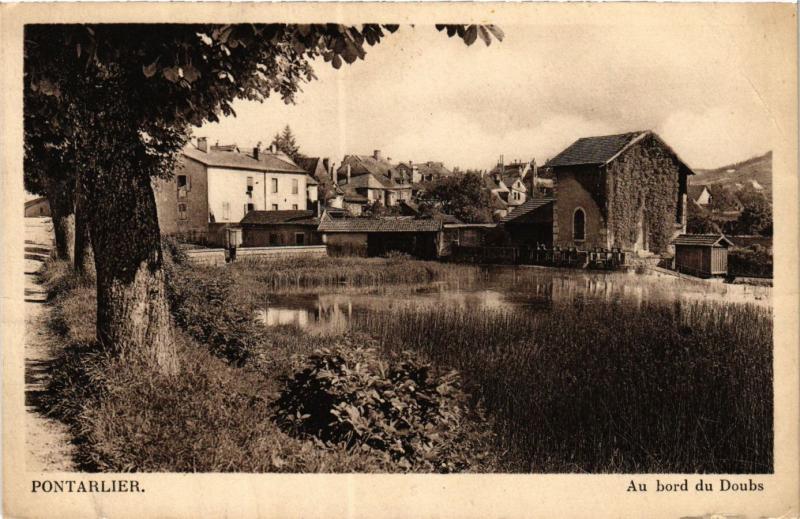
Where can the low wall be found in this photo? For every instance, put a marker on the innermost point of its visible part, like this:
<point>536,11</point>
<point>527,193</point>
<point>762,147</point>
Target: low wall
<point>206,256</point>
<point>290,251</point>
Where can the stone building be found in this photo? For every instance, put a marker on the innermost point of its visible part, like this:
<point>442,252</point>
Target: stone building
<point>624,191</point>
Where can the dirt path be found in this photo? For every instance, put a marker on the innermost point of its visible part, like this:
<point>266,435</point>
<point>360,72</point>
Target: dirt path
<point>47,440</point>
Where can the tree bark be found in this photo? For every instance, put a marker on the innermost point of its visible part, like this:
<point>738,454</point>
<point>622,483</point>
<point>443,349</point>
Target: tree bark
<point>60,210</point>
<point>133,316</point>
<point>82,248</point>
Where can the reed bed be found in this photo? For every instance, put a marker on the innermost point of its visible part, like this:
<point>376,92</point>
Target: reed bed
<point>655,387</point>
<point>290,274</point>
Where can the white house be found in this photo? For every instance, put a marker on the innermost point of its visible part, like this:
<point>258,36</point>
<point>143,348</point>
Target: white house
<point>215,187</point>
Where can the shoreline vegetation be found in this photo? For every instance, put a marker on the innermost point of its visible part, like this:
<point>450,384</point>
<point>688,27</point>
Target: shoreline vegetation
<point>674,387</point>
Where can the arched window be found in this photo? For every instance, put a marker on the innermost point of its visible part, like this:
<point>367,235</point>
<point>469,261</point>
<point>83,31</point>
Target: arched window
<point>579,225</point>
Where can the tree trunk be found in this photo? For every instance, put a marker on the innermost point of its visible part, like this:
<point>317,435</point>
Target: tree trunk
<point>60,209</point>
<point>133,318</point>
<point>82,248</point>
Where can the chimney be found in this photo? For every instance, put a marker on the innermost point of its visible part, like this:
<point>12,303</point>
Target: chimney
<point>202,144</point>
<point>257,151</point>
<point>377,154</point>
<point>348,173</point>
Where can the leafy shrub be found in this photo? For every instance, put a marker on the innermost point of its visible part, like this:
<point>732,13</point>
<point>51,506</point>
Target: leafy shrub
<point>754,261</point>
<point>208,309</point>
<point>402,409</point>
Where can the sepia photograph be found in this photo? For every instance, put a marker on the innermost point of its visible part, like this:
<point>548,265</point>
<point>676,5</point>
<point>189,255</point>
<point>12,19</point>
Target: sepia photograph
<point>419,247</point>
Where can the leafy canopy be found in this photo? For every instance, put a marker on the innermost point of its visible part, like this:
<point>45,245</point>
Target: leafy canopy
<point>174,76</point>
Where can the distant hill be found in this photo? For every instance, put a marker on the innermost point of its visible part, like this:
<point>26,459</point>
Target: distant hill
<point>755,172</point>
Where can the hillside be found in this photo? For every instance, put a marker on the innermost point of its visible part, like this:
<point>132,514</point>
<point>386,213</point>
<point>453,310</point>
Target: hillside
<point>756,172</point>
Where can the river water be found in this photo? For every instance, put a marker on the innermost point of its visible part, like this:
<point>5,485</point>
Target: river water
<point>331,309</point>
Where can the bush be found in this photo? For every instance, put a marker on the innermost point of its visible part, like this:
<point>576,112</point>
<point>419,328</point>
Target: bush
<point>210,310</point>
<point>403,410</point>
<point>754,261</point>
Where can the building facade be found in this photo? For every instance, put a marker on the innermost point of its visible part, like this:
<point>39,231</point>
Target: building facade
<point>624,191</point>
<point>215,187</point>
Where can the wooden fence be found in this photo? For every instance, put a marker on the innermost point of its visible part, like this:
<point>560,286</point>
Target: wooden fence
<point>556,257</point>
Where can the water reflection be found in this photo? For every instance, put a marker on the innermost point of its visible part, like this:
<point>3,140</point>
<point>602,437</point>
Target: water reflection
<point>500,288</point>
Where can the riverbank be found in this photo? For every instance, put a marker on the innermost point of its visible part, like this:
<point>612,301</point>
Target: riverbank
<point>535,389</point>
<point>220,413</point>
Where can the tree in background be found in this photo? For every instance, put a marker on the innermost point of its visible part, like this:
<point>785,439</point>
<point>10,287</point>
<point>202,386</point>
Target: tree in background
<point>756,217</point>
<point>462,196</point>
<point>287,143</point>
<point>723,198</point>
<point>120,101</point>
<point>700,221</point>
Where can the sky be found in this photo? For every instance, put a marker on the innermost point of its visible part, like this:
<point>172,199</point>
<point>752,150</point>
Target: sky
<point>421,96</point>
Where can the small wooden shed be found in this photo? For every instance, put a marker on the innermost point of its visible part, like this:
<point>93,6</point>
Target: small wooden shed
<point>702,255</point>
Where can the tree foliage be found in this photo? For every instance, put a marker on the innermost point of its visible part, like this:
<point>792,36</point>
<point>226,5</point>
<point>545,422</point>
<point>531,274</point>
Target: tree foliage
<point>700,221</point>
<point>116,102</point>
<point>756,217</point>
<point>462,196</point>
<point>286,142</point>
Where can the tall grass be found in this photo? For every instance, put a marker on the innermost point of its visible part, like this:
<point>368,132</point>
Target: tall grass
<point>298,273</point>
<point>663,387</point>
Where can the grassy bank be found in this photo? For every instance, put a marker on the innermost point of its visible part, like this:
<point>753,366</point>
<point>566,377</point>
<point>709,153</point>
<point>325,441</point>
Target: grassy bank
<point>610,388</point>
<point>219,412</point>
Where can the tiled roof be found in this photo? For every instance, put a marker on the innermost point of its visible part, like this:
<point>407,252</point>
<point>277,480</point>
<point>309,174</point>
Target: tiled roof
<point>701,239</point>
<point>360,164</point>
<point>510,178</point>
<point>400,224</point>
<point>433,168</point>
<point>695,191</point>
<point>594,150</point>
<point>278,217</point>
<point>274,163</point>
<point>528,206</point>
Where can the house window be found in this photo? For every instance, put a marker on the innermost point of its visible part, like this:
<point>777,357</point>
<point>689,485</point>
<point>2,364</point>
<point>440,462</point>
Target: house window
<point>249,207</point>
<point>226,210</point>
<point>294,207</point>
<point>181,211</point>
<point>274,185</point>
<point>274,207</point>
<point>273,239</point>
<point>579,225</point>
<point>295,186</point>
<point>250,187</point>
<point>299,238</point>
<point>184,186</point>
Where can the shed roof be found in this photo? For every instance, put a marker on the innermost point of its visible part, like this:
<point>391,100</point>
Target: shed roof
<point>595,151</point>
<point>397,224</point>
<point>530,205</point>
<point>280,217</point>
<point>702,240</point>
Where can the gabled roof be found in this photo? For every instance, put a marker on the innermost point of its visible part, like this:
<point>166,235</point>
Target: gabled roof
<point>696,190</point>
<point>396,224</point>
<point>274,163</point>
<point>596,151</point>
<point>311,181</point>
<point>310,164</point>
<point>35,201</point>
<point>360,164</point>
<point>433,169</point>
<point>278,217</point>
<point>509,179</point>
<point>530,205</point>
<point>702,240</point>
